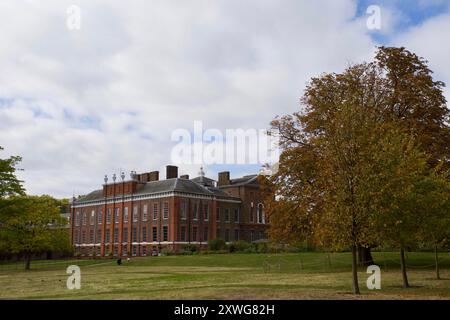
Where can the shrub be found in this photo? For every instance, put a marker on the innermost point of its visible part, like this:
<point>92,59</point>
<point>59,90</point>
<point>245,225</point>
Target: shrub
<point>216,244</point>
<point>167,251</point>
<point>192,248</point>
<point>238,246</point>
<point>262,247</point>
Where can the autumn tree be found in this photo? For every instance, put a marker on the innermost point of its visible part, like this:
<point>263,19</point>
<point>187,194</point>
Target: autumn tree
<point>412,96</point>
<point>335,148</point>
<point>322,168</point>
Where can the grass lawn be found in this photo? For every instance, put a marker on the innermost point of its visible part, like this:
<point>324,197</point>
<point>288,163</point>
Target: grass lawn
<point>226,276</point>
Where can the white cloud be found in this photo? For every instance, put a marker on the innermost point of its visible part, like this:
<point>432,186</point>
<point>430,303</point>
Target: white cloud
<point>79,104</point>
<point>429,40</point>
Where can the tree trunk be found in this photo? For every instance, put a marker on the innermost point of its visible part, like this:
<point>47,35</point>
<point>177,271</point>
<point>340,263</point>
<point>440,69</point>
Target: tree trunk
<point>436,259</point>
<point>27,261</point>
<point>403,267</point>
<point>355,285</point>
<point>365,256</point>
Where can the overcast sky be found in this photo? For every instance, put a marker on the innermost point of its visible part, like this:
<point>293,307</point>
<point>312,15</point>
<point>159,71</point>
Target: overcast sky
<point>80,103</point>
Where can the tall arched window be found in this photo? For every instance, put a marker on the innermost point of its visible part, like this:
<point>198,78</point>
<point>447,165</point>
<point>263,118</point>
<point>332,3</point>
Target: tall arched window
<point>260,213</point>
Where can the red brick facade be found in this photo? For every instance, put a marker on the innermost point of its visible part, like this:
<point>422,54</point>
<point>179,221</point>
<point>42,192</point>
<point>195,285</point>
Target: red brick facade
<point>145,214</point>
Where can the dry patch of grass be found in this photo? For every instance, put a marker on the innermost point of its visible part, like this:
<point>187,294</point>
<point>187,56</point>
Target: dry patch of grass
<point>231,277</point>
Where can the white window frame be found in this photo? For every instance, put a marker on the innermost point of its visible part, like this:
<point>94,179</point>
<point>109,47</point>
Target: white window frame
<point>125,214</point>
<point>183,213</point>
<point>100,216</point>
<point>77,218</point>
<point>206,212</point>
<point>92,218</point>
<point>195,213</point>
<point>135,214</point>
<point>116,215</point>
<point>166,211</point>
<point>144,212</point>
<point>155,211</point>
<point>108,216</point>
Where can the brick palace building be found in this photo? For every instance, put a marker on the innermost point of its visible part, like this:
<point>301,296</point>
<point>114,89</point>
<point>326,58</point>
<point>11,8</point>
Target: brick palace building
<point>144,214</point>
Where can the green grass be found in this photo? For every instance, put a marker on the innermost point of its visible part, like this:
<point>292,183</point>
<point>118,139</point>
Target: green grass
<point>226,276</point>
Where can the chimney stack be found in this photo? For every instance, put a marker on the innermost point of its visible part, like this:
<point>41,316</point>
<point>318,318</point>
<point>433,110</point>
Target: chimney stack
<point>224,178</point>
<point>153,176</point>
<point>143,177</point>
<point>184,176</point>
<point>171,172</point>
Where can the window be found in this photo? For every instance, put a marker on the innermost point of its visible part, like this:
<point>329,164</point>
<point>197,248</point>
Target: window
<point>227,215</point>
<point>124,250</point>
<point>125,235</point>
<point>144,250</point>
<point>236,215</point>
<point>116,235</point>
<point>183,210</point>
<point>125,214</point>
<point>227,235</point>
<point>205,234</point>
<point>76,237</point>
<point>251,213</point>
<point>218,214</point>
<point>165,233</point>
<point>155,234</point>
<point>91,236</point>
<point>135,214</point>
<point>155,211</point>
<point>116,250</point>
<point>194,234</point>
<point>77,218</point>
<point>206,216</point>
<point>134,235</point>
<point>252,236</point>
<point>195,214</point>
<point>166,211</point>
<point>260,213</point>
<point>100,216</point>
<point>83,236</point>
<point>84,218</point>
<point>219,233</point>
<point>183,233</point>
<point>116,215</point>
<point>134,252</point>
<point>99,236</point>
<point>144,213</point>
<point>107,236</point>
<point>144,234</point>
<point>236,235</point>
<point>92,218</point>
<point>108,216</point>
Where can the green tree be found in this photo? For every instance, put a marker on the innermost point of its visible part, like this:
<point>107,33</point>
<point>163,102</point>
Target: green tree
<point>433,201</point>
<point>9,184</point>
<point>395,177</point>
<point>32,225</point>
